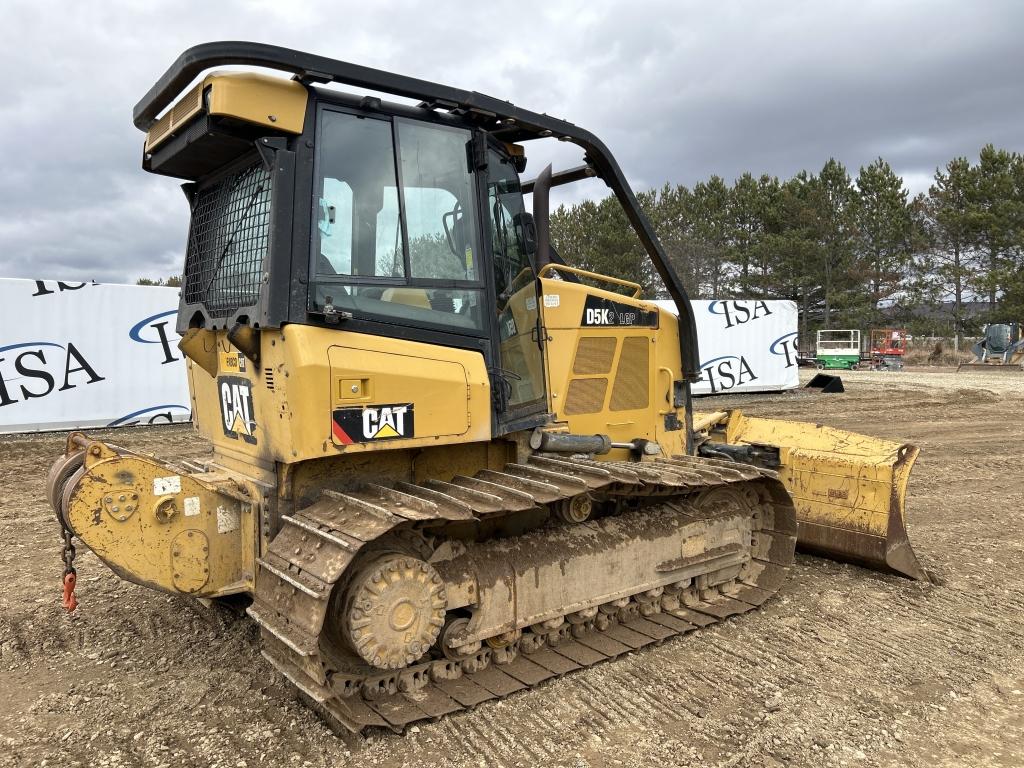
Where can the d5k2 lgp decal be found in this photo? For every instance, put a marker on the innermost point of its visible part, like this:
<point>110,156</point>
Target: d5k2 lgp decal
<point>606,312</point>
<point>369,423</point>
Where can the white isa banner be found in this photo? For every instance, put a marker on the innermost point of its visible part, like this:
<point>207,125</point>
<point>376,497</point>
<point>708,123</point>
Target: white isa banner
<point>89,355</point>
<point>746,345</point>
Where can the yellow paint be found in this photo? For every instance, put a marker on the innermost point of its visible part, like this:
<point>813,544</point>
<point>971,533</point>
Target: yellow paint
<point>274,102</point>
<point>585,365</point>
<point>200,346</point>
<point>354,389</point>
<point>179,533</point>
<point>231,362</point>
<point>306,372</point>
<point>849,489</point>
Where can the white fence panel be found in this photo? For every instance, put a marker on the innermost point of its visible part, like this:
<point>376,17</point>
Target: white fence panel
<point>88,355</point>
<point>745,345</point>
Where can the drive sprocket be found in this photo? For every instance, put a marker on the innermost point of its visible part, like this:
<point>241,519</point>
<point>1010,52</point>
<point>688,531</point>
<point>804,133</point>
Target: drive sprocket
<point>394,610</point>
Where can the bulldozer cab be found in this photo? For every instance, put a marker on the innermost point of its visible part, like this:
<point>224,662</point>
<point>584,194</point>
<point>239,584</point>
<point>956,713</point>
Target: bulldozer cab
<point>312,206</point>
<point>410,233</point>
<point>369,220</point>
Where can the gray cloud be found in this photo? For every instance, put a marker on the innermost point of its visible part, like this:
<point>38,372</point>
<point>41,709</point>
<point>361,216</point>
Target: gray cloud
<point>679,91</point>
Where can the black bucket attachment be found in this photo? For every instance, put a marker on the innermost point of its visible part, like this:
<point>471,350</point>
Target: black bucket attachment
<point>826,382</point>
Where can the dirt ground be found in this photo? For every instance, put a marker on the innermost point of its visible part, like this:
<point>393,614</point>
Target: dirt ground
<point>846,667</point>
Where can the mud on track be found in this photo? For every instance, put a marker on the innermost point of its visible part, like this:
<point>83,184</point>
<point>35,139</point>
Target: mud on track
<point>847,667</point>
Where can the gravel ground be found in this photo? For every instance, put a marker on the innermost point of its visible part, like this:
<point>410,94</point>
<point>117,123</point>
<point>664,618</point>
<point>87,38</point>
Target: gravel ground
<point>846,667</point>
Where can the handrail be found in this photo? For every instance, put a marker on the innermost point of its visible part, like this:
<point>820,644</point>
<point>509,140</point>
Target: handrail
<point>553,267</point>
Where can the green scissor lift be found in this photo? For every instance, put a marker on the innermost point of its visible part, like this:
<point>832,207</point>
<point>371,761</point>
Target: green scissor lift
<point>838,349</point>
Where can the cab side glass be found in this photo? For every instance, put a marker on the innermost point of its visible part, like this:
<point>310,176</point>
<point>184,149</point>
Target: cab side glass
<point>359,230</point>
<point>515,284</point>
<point>439,202</point>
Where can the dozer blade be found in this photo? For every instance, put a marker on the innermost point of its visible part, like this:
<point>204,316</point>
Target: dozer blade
<point>849,489</point>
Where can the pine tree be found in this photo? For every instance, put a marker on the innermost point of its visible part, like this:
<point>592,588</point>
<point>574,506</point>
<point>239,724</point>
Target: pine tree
<point>597,236</point>
<point>947,261</point>
<point>883,229</point>
<point>671,216</point>
<point>833,200</point>
<point>710,208</point>
<point>996,220</point>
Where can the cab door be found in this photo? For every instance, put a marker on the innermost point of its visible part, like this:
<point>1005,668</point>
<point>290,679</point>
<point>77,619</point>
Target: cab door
<point>519,379</point>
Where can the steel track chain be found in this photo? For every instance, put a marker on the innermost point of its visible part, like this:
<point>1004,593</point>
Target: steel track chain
<point>315,546</point>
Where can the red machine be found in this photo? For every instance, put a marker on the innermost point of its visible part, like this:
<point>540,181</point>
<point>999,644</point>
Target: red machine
<point>888,346</point>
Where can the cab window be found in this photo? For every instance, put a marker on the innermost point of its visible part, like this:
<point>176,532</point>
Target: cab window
<point>515,285</point>
<point>437,189</point>
<point>395,230</point>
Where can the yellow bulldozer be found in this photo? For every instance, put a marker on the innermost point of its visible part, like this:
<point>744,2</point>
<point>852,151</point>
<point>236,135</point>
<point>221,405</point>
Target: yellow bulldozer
<point>446,465</point>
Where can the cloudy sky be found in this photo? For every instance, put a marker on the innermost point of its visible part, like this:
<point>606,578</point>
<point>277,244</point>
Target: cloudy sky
<point>678,90</point>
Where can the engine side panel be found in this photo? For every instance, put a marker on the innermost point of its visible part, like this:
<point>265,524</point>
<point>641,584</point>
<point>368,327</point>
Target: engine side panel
<point>321,392</point>
<point>613,362</point>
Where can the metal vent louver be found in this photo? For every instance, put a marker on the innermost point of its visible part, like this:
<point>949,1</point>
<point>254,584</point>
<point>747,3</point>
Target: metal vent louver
<point>594,354</point>
<point>585,396</point>
<point>188,107</point>
<point>632,379</point>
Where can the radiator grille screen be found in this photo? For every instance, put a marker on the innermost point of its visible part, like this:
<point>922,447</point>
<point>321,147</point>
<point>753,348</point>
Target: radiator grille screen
<point>585,396</point>
<point>632,386</point>
<point>594,354</point>
<point>227,242</point>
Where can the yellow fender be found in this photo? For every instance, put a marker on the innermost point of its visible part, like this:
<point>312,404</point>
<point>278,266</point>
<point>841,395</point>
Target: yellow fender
<point>849,489</point>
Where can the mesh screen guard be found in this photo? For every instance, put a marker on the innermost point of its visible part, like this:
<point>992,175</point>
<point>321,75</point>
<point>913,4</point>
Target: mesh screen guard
<point>228,240</point>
